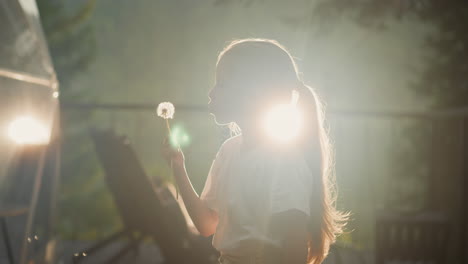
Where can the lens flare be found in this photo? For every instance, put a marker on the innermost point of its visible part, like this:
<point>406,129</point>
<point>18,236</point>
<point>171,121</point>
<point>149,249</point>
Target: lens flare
<point>179,137</point>
<point>283,123</point>
<point>27,130</point>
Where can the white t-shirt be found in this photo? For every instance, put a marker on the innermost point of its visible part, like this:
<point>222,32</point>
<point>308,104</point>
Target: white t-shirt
<point>245,187</point>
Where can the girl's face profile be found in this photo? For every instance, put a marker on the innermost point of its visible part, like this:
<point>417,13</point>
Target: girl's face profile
<point>245,81</point>
<point>221,103</point>
<point>225,96</point>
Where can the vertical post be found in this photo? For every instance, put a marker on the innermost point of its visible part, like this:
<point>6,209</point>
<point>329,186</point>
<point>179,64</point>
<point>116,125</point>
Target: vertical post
<point>37,186</point>
<point>6,240</point>
<point>138,131</point>
<point>464,215</point>
<point>57,155</point>
<point>432,194</point>
<point>33,204</point>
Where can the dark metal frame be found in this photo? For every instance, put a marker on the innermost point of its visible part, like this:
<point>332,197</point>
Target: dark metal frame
<point>6,239</point>
<point>133,244</point>
<point>147,209</point>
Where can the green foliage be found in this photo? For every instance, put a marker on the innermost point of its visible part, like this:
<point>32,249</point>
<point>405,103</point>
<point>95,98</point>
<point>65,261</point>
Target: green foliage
<point>71,39</point>
<point>444,79</point>
<point>422,146</point>
<point>86,209</point>
<point>146,55</point>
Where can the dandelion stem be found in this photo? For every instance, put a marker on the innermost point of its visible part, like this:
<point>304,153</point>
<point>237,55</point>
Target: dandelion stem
<point>175,183</point>
<point>168,127</point>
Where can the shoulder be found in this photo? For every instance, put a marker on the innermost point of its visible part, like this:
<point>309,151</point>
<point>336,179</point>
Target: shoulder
<point>230,144</point>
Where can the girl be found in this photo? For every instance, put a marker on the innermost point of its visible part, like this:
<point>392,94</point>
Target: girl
<point>266,200</point>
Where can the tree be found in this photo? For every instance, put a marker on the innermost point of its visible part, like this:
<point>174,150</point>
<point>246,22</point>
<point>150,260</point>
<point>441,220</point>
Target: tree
<point>70,38</point>
<point>444,79</point>
<point>72,45</point>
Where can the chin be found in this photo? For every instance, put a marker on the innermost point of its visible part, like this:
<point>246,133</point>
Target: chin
<point>219,120</point>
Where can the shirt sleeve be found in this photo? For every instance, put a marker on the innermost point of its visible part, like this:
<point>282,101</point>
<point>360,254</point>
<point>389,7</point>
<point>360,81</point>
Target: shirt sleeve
<point>290,188</point>
<point>209,194</point>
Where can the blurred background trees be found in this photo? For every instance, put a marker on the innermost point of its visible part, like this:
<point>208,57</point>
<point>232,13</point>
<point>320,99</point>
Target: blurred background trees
<point>85,207</point>
<point>360,56</point>
<point>443,77</point>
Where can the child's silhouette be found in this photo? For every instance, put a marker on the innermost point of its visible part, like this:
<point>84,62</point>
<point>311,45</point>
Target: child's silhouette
<point>264,201</point>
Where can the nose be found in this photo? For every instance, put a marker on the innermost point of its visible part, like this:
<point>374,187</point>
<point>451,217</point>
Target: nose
<point>211,95</point>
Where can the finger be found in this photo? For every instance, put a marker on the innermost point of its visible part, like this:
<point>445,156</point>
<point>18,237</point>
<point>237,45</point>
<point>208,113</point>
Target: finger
<point>168,145</point>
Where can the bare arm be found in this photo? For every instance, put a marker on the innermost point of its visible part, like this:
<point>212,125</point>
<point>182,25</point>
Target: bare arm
<point>204,218</point>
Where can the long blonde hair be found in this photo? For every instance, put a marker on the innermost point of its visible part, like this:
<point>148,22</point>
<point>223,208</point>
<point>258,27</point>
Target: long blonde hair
<point>276,63</point>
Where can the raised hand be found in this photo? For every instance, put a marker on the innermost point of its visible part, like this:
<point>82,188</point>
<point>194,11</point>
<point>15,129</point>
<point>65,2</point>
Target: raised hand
<point>173,156</point>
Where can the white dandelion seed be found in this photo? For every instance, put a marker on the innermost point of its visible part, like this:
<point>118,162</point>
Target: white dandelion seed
<point>166,110</point>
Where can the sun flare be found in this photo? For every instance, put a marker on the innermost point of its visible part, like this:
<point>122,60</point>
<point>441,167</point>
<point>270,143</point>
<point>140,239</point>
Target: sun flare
<point>283,123</point>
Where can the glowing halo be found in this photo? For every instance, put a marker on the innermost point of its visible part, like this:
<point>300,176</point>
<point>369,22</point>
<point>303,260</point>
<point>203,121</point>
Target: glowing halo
<point>283,123</point>
<point>27,130</point>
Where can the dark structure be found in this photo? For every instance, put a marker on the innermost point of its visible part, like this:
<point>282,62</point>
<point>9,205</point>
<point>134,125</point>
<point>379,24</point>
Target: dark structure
<point>148,210</point>
<point>413,238</point>
<point>29,171</point>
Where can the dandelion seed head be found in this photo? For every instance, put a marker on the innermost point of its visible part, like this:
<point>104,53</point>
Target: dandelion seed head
<point>166,110</point>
